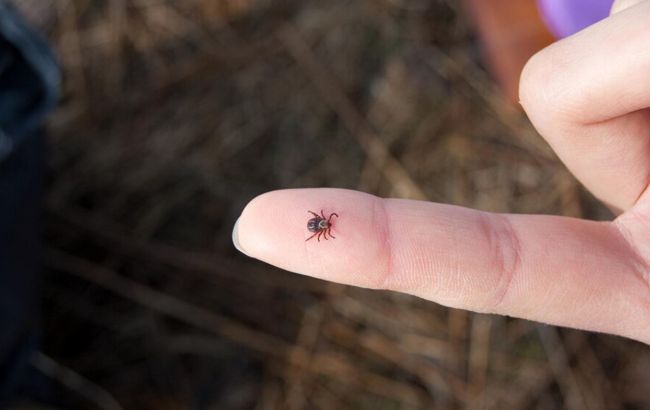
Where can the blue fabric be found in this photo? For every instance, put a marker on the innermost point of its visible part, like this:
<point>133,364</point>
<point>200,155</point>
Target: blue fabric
<point>29,80</point>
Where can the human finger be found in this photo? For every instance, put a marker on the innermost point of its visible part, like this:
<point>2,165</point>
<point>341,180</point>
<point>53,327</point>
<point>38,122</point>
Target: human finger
<point>552,269</point>
<point>588,96</point>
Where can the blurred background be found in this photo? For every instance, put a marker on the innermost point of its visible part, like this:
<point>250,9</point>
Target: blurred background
<point>175,114</point>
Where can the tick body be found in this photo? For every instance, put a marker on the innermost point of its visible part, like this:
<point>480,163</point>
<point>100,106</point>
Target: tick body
<point>320,225</point>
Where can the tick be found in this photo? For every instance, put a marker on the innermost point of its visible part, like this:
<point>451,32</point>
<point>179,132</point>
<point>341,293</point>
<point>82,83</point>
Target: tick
<point>320,225</point>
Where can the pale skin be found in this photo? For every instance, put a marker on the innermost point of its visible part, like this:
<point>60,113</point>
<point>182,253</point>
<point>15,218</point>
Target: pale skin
<point>589,96</point>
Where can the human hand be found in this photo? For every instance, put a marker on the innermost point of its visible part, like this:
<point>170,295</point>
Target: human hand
<point>589,96</point>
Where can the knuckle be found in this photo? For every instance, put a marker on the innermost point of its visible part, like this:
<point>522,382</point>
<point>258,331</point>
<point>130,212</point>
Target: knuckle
<point>505,252</point>
<point>531,82</point>
<point>543,92</point>
<point>633,228</point>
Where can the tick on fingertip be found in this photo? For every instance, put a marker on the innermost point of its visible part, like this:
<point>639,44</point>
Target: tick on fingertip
<point>320,225</point>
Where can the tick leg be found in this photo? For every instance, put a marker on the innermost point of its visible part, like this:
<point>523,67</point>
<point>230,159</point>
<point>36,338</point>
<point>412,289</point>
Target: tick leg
<point>322,214</point>
<point>319,234</point>
<point>331,215</point>
<point>325,234</point>
<point>314,213</point>
<point>329,231</point>
<point>311,236</point>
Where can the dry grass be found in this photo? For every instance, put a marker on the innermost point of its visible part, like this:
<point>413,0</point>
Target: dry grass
<point>175,114</point>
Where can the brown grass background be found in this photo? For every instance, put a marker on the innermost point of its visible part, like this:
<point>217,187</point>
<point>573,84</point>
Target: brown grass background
<point>176,113</point>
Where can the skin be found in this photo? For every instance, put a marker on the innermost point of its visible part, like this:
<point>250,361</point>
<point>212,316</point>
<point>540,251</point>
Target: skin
<point>589,97</point>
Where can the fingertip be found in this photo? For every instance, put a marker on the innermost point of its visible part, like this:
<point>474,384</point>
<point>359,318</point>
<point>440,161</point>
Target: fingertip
<point>235,238</point>
<point>255,230</point>
<point>273,228</point>
<point>620,5</point>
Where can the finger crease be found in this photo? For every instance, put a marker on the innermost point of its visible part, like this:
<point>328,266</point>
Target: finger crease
<point>640,262</point>
<point>382,220</point>
<point>506,247</point>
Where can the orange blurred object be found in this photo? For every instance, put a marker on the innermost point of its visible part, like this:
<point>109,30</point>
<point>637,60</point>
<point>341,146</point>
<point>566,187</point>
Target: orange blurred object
<point>511,32</point>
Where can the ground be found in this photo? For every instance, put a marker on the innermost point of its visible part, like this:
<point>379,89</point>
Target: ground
<point>175,114</point>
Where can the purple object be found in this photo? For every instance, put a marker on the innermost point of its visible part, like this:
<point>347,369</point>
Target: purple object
<point>565,17</point>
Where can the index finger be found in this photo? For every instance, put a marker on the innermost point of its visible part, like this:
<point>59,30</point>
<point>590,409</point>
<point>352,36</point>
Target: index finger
<point>588,95</point>
<point>553,269</point>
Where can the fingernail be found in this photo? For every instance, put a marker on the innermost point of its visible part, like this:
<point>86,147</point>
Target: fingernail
<point>235,238</point>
